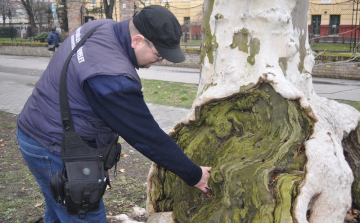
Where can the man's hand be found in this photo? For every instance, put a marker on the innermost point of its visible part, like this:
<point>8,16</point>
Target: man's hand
<point>203,183</point>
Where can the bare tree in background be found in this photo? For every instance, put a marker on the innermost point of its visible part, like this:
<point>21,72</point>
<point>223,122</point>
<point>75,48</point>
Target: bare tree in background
<point>195,25</point>
<point>37,12</point>
<point>61,10</point>
<point>41,11</point>
<point>6,10</point>
<point>109,8</point>
<point>28,5</point>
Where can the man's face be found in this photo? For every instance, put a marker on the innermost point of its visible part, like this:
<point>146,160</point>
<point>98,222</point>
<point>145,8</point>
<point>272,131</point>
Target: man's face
<point>146,53</point>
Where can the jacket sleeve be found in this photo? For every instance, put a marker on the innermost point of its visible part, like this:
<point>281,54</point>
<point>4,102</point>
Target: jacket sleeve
<point>57,39</point>
<point>119,102</point>
<point>49,38</point>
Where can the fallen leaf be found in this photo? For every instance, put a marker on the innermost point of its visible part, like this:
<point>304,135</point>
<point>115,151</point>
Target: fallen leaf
<point>23,188</point>
<point>122,170</point>
<point>159,86</point>
<point>123,155</point>
<point>38,204</point>
<point>108,187</point>
<point>165,92</point>
<point>3,144</point>
<point>1,140</point>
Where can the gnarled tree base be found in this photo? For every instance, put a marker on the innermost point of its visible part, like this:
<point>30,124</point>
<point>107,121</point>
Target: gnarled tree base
<point>254,142</point>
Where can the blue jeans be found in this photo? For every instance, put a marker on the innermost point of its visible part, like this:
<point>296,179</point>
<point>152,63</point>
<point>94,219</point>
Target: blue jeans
<point>43,164</point>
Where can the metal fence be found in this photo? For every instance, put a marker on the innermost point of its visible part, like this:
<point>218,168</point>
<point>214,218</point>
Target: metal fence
<point>334,27</point>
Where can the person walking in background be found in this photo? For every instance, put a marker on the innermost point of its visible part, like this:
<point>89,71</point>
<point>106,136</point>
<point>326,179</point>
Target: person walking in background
<point>105,97</point>
<point>53,39</point>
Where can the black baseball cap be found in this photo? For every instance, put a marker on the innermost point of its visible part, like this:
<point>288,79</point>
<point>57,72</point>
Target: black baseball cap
<point>161,27</point>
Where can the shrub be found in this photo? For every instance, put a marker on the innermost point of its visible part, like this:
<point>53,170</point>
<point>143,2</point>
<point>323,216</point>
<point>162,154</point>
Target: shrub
<point>41,37</point>
<point>8,32</point>
<point>62,37</point>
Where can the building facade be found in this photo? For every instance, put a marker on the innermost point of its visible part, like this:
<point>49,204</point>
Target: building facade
<point>188,12</point>
<point>334,18</point>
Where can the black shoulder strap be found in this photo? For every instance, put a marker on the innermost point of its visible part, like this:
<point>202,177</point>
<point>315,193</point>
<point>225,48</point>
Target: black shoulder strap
<point>67,121</point>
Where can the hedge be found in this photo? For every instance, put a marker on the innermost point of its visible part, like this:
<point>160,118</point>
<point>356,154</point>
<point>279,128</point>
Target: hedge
<point>8,32</point>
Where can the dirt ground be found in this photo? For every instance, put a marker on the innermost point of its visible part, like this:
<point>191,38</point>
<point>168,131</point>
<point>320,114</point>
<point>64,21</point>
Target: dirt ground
<point>21,199</point>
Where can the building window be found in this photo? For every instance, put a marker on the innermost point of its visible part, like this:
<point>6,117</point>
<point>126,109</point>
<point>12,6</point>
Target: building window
<point>334,24</point>
<point>315,24</point>
<point>325,1</point>
<point>147,1</point>
<point>93,2</point>
<point>186,24</point>
<point>165,1</point>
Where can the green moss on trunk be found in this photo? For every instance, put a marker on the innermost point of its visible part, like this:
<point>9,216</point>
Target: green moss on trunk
<point>351,146</point>
<point>253,142</point>
<point>207,48</point>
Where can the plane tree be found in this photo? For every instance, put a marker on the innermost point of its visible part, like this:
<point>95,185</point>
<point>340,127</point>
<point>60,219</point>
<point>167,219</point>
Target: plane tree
<point>279,152</point>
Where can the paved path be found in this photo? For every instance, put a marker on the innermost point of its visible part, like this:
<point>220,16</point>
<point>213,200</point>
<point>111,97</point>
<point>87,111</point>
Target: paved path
<point>18,75</point>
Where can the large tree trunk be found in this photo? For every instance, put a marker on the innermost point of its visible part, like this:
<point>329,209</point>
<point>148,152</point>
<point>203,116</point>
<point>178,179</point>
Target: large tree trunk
<point>28,5</point>
<point>109,7</point>
<point>274,145</point>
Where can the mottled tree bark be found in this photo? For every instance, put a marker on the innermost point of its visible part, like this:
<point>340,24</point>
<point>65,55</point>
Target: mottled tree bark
<point>274,145</point>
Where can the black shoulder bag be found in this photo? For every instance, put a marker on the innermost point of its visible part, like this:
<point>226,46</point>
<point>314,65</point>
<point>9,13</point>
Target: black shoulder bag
<point>84,177</point>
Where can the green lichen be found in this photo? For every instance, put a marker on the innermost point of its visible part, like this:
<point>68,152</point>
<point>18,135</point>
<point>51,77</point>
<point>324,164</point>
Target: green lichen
<point>254,50</point>
<point>252,142</point>
<point>251,60</point>
<point>219,16</point>
<point>240,40</point>
<point>206,86</point>
<point>207,49</point>
<point>215,43</point>
<point>285,190</point>
<point>207,45</point>
<point>283,64</point>
<point>245,88</point>
<point>254,46</point>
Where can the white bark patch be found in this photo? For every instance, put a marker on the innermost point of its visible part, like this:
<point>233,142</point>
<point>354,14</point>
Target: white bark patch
<point>326,190</point>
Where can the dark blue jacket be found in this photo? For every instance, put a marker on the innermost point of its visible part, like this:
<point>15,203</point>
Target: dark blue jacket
<point>53,38</point>
<point>105,99</point>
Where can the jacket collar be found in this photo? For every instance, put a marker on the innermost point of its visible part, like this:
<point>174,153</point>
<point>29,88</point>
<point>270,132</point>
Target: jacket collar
<point>122,33</point>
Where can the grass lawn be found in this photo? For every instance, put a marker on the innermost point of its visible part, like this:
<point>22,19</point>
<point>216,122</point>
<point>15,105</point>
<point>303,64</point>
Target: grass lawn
<point>331,47</point>
<point>182,94</point>
<point>20,197</point>
<point>191,43</point>
<point>169,93</point>
<point>355,104</point>
<point>19,39</point>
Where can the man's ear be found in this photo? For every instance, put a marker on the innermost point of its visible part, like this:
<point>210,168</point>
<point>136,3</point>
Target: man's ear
<point>137,40</point>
